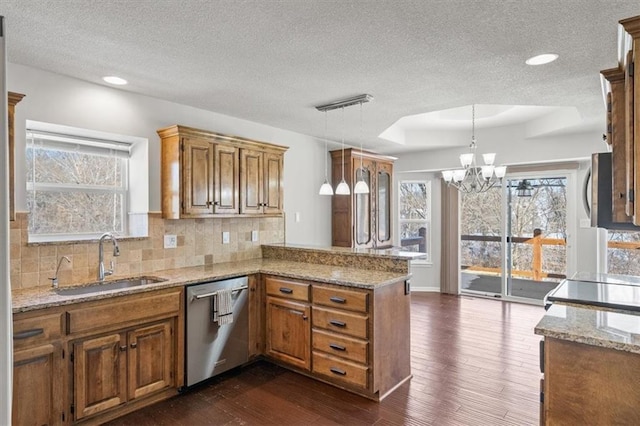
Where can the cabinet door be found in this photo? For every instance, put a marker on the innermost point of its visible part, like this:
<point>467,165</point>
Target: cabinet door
<point>100,374</point>
<point>289,332</point>
<point>197,178</point>
<point>383,204</point>
<point>273,183</point>
<point>256,317</point>
<point>226,179</point>
<point>251,181</point>
<point>37,386</point>
<point>150,359</point>
<point>363,208</point>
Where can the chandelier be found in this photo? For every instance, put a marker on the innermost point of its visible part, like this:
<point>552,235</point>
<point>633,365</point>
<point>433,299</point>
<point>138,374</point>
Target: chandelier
<point>472,178</point>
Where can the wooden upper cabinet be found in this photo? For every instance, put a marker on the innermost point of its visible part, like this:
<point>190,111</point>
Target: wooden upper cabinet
<point>205,174</point>
<point>632,115</point>
<point>198,177</point>
<point>362,220</point>
<point>261,183</point>
<point>13,99</point>
<point>226,165</point>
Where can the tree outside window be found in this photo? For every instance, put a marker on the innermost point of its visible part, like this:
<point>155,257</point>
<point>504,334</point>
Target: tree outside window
<point>415,216</point>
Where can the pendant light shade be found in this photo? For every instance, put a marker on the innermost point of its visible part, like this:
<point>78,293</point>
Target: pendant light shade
<point>361,187</point>
<point>326,188</point>
<point>343,188</point>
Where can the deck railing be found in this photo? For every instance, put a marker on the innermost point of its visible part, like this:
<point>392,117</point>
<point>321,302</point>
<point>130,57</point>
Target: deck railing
<point>537,241</point>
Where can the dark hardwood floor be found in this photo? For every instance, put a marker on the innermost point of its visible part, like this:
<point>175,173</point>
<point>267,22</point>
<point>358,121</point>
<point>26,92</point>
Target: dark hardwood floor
<point>474,362</point>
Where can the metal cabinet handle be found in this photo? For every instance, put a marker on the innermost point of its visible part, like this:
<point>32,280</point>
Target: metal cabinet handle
<point>337,299</point>
<point>337,347</point>
<point>28,333</point>
<point>123,348</point>
<point>336,370</point>
<point>134,345</point>
<point>337,323</point>
<point>302,314</point>
<point>285,290</point>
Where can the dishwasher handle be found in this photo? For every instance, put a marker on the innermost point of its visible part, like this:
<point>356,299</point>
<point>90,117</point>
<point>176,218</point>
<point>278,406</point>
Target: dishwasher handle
<point>215,293</point>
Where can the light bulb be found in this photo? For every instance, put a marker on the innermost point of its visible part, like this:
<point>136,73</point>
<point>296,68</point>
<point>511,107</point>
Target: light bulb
<point>458,175</point>
<point>487,172</point>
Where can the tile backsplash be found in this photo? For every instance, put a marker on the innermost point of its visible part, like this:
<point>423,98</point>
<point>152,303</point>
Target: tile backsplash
<point>199,243</point>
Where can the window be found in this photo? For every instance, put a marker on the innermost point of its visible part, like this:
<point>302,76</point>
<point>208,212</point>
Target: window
<point>77,184</point>
<point>415,216</point>
<point>623,256</point>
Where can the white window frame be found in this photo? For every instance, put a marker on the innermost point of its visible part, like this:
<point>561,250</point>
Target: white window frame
<point>426,221</point>
<point>134,189</point>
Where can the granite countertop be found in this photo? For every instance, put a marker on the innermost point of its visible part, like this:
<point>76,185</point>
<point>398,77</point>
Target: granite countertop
<point>591,326</point>
<point>390,252</point>
<point>39,298</point>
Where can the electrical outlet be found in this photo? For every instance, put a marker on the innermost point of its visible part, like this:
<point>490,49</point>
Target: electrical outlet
<point>225,237</point>
<point>254,236</point>
<point>170,241</point>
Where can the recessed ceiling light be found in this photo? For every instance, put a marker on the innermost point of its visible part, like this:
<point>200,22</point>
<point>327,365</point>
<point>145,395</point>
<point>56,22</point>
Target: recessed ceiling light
<point>115,80</point>
<point>542,59</point>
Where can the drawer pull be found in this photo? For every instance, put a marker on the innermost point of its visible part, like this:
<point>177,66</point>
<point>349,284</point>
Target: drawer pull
<point>337,299</point>
<point>285,290</point>
<point>123,348</point>
<point>337,347</point>
<point>28,333</point>
<point>337,323</point>
<point>335,370</point>
<point>134,345</point>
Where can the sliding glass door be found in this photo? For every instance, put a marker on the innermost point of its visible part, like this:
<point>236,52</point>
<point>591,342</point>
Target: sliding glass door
<point>513,238</point>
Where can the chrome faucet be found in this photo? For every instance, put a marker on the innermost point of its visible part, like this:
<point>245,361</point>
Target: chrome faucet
<point>116,252</point>
<point>54,280</point>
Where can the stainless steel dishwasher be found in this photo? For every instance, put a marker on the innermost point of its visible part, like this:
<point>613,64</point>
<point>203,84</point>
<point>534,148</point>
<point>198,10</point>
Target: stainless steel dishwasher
<point>212,348</point>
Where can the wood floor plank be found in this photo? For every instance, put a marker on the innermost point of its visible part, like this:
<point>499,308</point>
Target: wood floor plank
<point>474,362</point>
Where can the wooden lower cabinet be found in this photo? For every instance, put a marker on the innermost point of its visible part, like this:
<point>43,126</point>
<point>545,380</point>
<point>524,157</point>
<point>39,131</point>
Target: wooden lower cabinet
<point>356,339</point>
<point>38,386</point>
<point>113,369</point>
<point>585,384</point>
<point>94,361</point>
<point>289,332</point>
<point>99,374</point>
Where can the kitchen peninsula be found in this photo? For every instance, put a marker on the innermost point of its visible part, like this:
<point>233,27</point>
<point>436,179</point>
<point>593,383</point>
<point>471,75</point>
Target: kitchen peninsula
<point>338,315</point>
<point>591,351</point>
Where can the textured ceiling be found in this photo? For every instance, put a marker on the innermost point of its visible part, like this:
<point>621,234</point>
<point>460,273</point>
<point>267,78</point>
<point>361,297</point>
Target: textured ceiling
<point>272,61</point>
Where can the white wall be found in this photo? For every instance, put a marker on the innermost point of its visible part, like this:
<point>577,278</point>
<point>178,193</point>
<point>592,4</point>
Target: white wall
<point>62,100</point>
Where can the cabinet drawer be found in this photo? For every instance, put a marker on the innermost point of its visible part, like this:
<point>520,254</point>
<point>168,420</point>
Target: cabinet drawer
<point>340,345</point>
<point>36,330</point>
<point>340,322</point>
<point>287,289</point>
<point>118,312</point>
<point>340,370</point>
<point>340,298</point>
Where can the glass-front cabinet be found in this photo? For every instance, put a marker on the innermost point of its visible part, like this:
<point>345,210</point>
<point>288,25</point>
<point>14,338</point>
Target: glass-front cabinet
<point>362,220</point>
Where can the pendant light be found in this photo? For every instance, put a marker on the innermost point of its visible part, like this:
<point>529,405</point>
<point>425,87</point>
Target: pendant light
<point>361,186</point>
<point>343,187</point>
<point>326,188</point>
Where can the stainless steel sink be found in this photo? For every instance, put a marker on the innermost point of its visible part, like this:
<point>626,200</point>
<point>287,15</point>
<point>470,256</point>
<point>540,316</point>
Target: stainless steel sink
<point>108,285</point>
